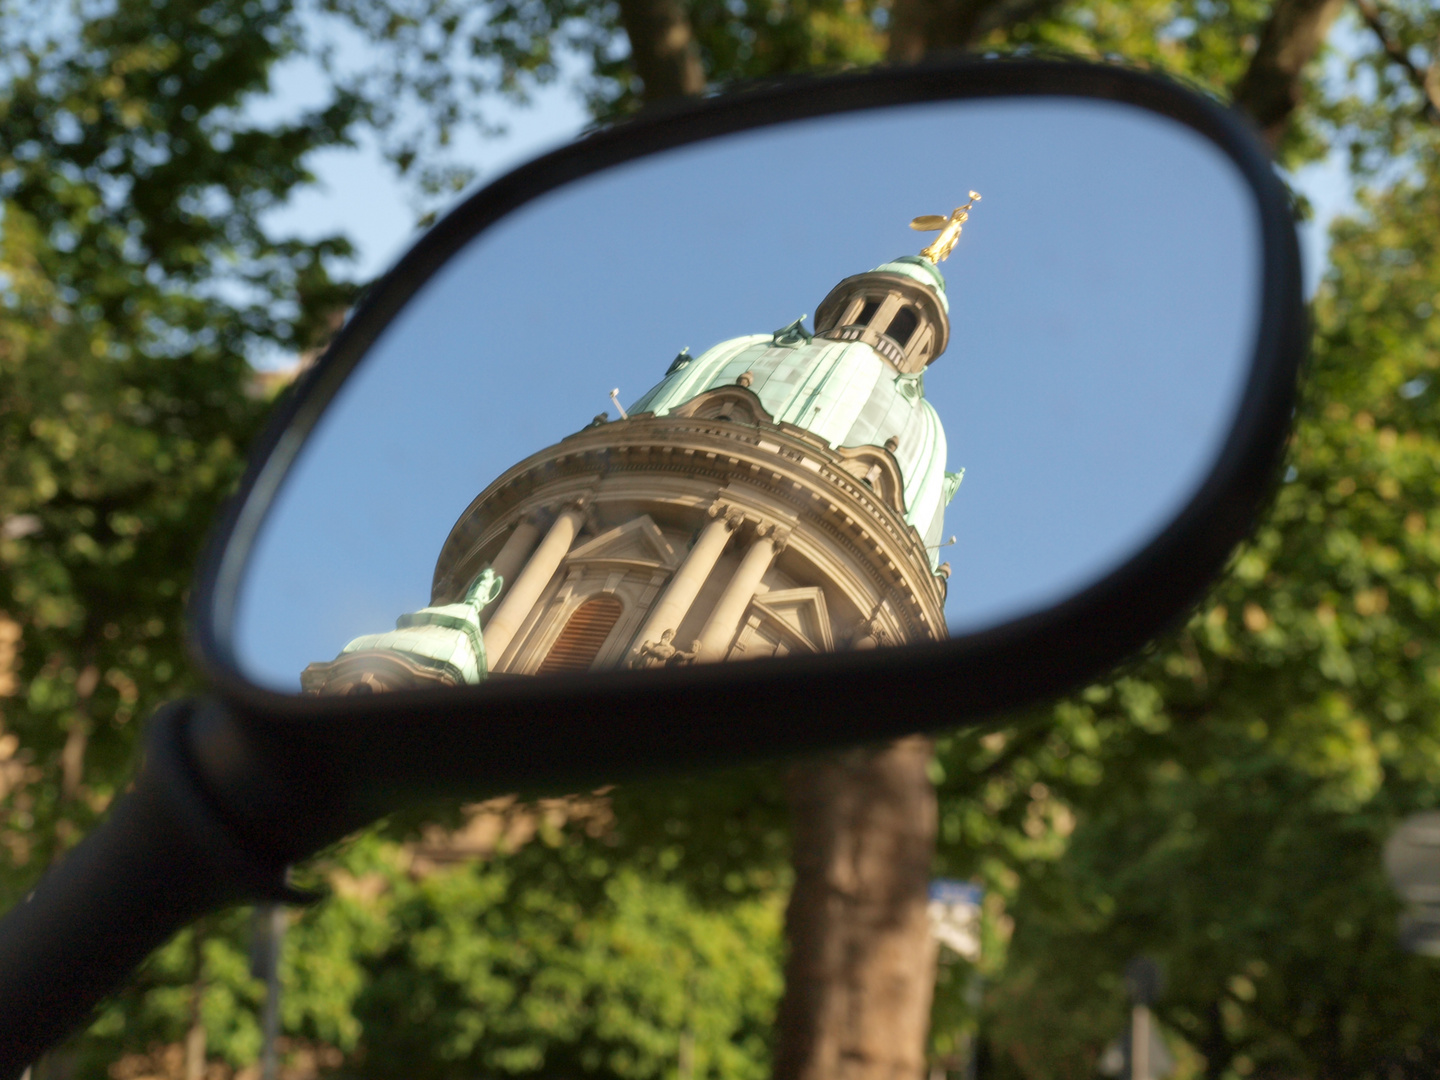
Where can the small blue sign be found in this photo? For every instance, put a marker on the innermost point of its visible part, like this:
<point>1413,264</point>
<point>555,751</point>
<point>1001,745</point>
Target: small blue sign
<point>950,892</point>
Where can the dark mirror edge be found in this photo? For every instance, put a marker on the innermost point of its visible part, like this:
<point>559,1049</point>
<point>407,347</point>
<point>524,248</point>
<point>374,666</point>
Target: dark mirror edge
<point>590,727</point>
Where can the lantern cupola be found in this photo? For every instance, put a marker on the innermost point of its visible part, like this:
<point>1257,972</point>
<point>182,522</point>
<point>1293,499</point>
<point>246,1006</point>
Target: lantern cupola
<point>899,309</point>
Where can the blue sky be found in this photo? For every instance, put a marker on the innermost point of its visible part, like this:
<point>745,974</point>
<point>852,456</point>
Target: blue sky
<point>1101,311</point>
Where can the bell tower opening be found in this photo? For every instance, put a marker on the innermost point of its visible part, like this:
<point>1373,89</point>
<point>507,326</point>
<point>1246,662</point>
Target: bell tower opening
<point>902,326</point>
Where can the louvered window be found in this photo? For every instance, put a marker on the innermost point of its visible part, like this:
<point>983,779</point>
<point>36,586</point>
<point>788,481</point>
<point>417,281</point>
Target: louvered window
<point>579,643</point>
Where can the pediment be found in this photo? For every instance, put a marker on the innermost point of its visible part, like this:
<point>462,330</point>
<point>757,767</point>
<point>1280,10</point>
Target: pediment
<point>735,403</point>
<point>637,544</point>
<point>876,469</point>
<point>798,616</point>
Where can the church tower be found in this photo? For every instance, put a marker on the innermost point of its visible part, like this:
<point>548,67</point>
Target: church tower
<point>780,493</point>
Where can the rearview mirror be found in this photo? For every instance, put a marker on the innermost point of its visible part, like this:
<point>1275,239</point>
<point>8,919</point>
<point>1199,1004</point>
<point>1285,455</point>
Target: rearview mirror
<point>902,380</point>
<point>447,574</point>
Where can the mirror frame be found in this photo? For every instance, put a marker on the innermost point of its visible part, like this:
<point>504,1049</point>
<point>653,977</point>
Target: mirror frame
<point>592,727</point>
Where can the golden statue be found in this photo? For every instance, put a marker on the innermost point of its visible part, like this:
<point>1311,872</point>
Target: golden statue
<point>949,228</point>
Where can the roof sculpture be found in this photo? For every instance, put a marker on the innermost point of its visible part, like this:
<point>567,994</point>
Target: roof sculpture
<point>443,643</point>
<point>949,227</point>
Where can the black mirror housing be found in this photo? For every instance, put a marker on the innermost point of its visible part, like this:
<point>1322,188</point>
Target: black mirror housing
<point>575,729</point>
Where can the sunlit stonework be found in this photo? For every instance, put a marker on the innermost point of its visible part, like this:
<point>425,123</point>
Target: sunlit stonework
<point>779,494</point>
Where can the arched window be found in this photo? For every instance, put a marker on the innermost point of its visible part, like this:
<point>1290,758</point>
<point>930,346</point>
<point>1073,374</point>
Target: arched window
<point>902,326</point>
<point>580,642</point>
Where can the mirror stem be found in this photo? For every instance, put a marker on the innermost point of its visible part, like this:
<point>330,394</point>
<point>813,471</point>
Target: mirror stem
<point>162,858</point>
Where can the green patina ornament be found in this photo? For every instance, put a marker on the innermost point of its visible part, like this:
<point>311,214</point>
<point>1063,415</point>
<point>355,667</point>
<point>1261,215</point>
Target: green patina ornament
<point>793,334</point>
<point>952,484</point>
<point>911,386</point>
<point>445,638</point>
<point>682,359</point>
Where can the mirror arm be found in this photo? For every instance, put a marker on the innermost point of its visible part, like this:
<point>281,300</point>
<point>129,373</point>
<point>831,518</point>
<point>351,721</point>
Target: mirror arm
<point>162,858</point>
<point>289,791</point>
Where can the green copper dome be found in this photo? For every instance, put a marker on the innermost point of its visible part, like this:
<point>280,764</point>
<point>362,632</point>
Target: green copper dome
<point>844,391</point>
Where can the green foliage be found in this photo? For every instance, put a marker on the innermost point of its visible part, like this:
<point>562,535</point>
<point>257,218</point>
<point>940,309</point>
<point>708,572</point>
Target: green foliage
<point>1232,792</point>
<point>557,961</point>
<point>557,958</point>
<point>135,277</point>
<point>611,944</point>
<point>203,973</point>
<point>437,66</point>
<point>724,835</point>
<point>1220,804</point>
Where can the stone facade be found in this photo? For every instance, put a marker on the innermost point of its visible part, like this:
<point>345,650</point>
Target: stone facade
<point>739,536</point>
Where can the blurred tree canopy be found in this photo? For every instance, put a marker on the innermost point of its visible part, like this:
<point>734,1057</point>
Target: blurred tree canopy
<point>1219,804</point>
<point>136,278</point>
<point>1231,793</point>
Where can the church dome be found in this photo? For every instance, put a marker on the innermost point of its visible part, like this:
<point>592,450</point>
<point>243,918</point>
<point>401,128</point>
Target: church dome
<point>859,381</point>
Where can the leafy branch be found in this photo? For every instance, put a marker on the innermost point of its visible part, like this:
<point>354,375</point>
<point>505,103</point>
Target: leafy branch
<point>1426,79</point>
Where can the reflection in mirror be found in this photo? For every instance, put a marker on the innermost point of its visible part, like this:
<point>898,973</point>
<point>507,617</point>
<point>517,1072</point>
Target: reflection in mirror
<point>790,485</point>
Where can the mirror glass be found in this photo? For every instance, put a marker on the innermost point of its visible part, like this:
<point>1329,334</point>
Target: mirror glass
<point>846,383</point>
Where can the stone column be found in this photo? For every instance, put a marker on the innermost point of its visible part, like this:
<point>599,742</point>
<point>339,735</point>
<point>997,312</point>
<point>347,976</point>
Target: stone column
<point>720,628</point>
<point>513,553</point>
<point>531,582</point>
<point>686,583</point>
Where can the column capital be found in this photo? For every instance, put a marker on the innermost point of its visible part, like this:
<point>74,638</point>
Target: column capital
<point>721,510</point>
<point>776,533</point>
<point>582,504</point>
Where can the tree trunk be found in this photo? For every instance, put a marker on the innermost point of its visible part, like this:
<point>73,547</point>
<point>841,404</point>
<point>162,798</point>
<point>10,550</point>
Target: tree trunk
<point>662,48</point>
<point>195,1035</point>
<point>1270,89</point>
<point>861,969</point>
<point>1213,1044</point>
<point>920,28</point>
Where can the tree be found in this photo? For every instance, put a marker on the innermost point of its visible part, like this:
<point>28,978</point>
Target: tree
<point>1224,803</point>
<point>138,277</point>
<point>442,959</point>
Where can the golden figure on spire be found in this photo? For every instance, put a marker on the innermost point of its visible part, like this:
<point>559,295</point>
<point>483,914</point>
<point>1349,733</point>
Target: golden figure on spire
<point>949,228</point>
